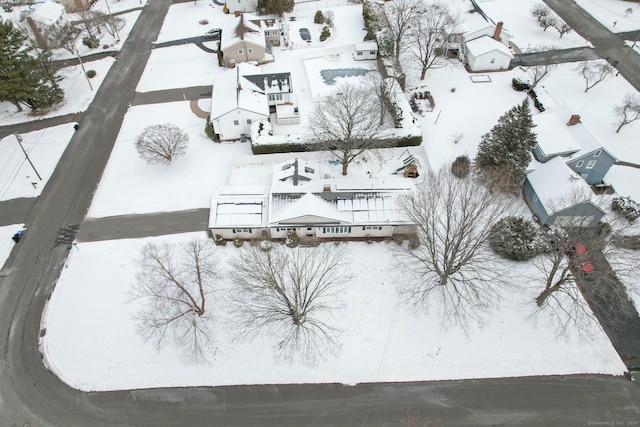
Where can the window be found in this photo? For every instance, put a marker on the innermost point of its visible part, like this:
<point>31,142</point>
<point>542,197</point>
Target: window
<point>336,230</point>
<point>275,97</point>
<point>584,176</point>
<point>591,164</point>
<point>579,164</point>
<point>249,50</point>
<point>236,123</point>
<point>373,52</point>
<point>360,53</point>
<point>493,60</point>
<point>240,52</point>
<point>248,121</point>
<point>241,230</point>
<point>535,198</point>
<point>597,153</point>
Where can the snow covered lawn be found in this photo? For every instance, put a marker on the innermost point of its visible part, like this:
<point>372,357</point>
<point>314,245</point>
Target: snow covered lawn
<point>129,185</point>
<point>382,339</point>
<point>45,147</point>
<point>183,20</point>
<point>177,67</point>
<point>77,96</point>
<point>609,11</point>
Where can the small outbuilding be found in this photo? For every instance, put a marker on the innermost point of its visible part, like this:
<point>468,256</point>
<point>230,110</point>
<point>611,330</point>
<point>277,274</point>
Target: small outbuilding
<point>366,51</point>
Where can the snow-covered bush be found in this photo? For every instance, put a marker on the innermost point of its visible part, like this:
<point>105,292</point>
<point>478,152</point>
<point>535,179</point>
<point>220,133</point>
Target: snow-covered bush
<point>515,238</point>
<point>626,207</point>
<point>461,166</point>
<point>292,239</point>
<point>318,17</point>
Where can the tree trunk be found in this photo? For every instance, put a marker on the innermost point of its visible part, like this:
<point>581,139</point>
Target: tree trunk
<point>423,72</point>
<point>620,127</point>
<point>17,104</point>
<point>345,165</point>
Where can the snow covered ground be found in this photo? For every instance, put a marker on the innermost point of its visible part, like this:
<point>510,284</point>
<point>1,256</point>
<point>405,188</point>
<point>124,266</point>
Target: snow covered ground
<point>184,20</point>
<point>6,232</point>
<point>188,65</point>
<point>77,98</point>
<point>611,13</point>
<point>382,339</point>
<point>44,147</point>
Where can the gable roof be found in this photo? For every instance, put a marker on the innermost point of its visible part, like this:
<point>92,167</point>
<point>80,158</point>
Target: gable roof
<point>313,208</point>
<point>485,44</point>
<point>232,91</point>
<point>47,13</point>
<point>241,30</point>
<point>484,30</point>
<point>553,135</point>
<point>370,45</point>
<point>557,186</point>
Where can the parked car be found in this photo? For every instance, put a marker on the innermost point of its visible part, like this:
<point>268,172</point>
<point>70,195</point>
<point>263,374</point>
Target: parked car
<point>579,253</point>
<point>213,33</point>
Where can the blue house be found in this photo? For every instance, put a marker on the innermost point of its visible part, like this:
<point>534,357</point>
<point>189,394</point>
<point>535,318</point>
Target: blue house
<point>562,134</point>
<point>558,195</point>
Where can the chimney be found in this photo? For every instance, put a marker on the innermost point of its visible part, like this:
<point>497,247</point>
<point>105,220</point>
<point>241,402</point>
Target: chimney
<point>326,188</point>
<point>237,13</point>
<point>573,120</point>
<point>496,34</point>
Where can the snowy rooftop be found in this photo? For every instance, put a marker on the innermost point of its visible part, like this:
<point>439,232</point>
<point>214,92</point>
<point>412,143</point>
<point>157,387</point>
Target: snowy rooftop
<point>366,46</point>
<point>553,135</point>
<point>557,186</point>
<point>295,171</point>
<point>239,206</point>
<point>272,82</point>
<point>237,92</point>
<point>486,44</point>
<point>241,29</point>
<point>47,13</point>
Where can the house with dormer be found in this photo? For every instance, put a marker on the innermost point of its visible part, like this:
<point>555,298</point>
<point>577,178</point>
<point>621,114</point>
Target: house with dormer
<point>562,134</point>
<point>300,200</point>
<point>485,48</point>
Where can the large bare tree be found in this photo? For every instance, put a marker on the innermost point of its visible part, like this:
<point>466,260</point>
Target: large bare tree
<point>174,284</point>
<point>347,123</point>
<point>291,292</point>
<point>453,267</point>
<point>428,36</point>
<point>538,73</point>
<point>401,16</point>
<point>628,111</point>
<point>594,72</point>
<point>162,143</point>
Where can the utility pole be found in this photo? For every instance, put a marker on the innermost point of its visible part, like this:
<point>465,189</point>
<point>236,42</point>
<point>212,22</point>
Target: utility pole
<point>83,70</point>
<point>115,28</point>
<point>626,57</point>
<point>19,138</point>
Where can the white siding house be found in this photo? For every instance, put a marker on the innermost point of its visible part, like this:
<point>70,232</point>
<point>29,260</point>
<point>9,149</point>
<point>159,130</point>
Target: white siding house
<point>486,48</point>
<point>366,51</point>
<point>300,200</point>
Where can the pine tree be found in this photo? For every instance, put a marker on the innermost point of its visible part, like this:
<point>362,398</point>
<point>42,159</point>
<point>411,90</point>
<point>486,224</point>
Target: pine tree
<point>25,78</point>
<point>506,150</point>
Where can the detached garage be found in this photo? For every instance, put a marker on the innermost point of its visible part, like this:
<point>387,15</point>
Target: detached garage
<point>487,54</point>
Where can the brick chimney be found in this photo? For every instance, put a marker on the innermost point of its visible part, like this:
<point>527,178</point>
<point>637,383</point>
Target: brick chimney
<point>496,34</point>
<point>573,120</point>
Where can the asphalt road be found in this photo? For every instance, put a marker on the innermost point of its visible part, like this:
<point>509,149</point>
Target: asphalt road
<point>608,45</point>
<point>32,396</point>
<point>557,56</point>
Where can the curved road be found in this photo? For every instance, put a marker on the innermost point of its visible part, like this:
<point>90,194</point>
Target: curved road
<point>32,396</point>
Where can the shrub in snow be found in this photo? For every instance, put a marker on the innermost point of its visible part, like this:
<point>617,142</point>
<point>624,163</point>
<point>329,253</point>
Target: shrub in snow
<point>318,18</point>
<point>208,129</point>
<point>91,42</point>
<point>91,73</point>
<point>218,240</point>
<point>553,239</point>
<point>515,238</point>
<point>292,239</point>
<point>325,34</point>
<point>237,242</point>
<point>627,207</point>
<point>265,245</point>
<point>461,166</point>
<point>520,85</point>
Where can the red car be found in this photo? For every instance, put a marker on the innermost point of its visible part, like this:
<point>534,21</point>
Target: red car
<point>579,251</point>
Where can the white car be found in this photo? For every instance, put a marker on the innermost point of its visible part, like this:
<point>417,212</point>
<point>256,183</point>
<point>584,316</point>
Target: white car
<point>213,33</point>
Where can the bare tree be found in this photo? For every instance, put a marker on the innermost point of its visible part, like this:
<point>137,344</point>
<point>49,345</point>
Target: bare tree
<point>539,72</point>
<point>66,38</point>
<point>577,280</point>
<point>550,20</point>
<point>347,123</point>
<point>540,11</point>
<point>382,91</point>
<point>628,111</point>
<point>453,266</point>
<point>293,291</point>
<point>113,24</point>
<point>174,284</point>
<point>594,72</point>
<point>92,21</point>
<point>562,27</point>
<point>162,143</point>
<point>429,34</point>
<point>401,16</point>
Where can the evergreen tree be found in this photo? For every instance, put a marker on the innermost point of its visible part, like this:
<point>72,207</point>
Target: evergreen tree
<point>278,7</point>
<point>505,151</point>
<point>25,77</point>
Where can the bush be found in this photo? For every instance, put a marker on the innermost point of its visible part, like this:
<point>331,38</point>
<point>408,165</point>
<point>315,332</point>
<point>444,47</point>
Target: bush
<point>91,73</point>
<point>225,9</point>
<point>91,42</point>
<point>208,129</point>
<point>292,239</point>
<point>520,85</point>
<point>218,240</point>
<point>325,34</point>
<point>237,242</point>
<point>515,238</point>
<point>461,166</point>
<point>318,18</point>
<point>626,207</point>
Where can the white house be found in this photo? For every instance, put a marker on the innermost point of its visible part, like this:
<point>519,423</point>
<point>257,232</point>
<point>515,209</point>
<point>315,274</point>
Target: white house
<point>487,49</point>
<point>366,51</point>
<point>299,200</point>
<point>44,20</point>
<point>237,102</point>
